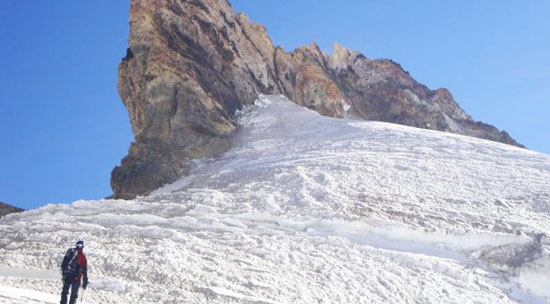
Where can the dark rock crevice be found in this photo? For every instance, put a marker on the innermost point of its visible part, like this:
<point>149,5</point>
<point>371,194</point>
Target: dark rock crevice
<point>268,89</point>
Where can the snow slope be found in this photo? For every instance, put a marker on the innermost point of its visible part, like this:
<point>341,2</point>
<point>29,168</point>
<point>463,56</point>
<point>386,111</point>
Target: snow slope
<point>308,209</point>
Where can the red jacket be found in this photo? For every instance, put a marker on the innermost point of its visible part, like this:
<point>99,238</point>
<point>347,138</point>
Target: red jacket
<point>82,265</point>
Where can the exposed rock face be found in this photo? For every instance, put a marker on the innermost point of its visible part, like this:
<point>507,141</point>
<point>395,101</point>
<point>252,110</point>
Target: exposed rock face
<point>192,63</point>
<point>6,209</point>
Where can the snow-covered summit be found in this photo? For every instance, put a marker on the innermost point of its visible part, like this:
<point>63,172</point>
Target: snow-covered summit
<point>308,209</point>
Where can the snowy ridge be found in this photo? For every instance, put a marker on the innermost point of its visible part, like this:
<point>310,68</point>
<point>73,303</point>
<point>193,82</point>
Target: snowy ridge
<point>308,209</point>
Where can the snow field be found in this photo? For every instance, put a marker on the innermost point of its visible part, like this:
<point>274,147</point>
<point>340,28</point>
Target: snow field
<point>310,209</point>
<point>229,262</point>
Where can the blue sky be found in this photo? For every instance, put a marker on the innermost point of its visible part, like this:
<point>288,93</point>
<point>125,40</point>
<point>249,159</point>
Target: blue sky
<point>63,127</point>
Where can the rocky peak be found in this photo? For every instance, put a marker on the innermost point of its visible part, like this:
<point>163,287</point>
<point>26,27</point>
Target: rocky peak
<point>342,58</point>
<point>192,63</point>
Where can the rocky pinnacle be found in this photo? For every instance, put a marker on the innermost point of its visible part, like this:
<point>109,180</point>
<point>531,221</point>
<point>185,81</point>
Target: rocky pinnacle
<point>191,64</point>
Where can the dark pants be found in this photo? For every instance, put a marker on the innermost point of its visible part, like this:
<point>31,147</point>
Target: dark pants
<point>73,283</point>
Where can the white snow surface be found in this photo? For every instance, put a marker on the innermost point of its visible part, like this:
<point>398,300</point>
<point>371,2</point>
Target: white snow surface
<point>307,209</point>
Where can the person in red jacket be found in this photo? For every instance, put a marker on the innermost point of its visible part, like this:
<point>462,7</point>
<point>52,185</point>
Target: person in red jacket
<point>73,268</point>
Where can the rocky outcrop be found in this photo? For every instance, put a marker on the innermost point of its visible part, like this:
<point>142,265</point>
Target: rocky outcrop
<point>6,209</point>
<point>192,63</point>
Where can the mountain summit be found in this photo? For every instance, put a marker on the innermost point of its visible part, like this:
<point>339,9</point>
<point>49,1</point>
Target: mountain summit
<point>192,63</point>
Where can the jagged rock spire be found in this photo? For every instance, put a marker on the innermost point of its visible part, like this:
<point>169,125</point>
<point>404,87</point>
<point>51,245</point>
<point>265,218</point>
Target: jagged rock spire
<point>191,63</point>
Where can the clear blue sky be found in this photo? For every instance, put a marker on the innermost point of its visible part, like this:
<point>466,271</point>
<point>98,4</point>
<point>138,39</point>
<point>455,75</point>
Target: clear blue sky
<point>63,127</point>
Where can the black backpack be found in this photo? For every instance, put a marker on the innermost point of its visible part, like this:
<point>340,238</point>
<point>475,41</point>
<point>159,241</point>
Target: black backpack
<point>70,262</point>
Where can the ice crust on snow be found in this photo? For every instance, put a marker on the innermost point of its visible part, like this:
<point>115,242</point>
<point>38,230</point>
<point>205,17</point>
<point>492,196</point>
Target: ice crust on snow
<point>308,209</point>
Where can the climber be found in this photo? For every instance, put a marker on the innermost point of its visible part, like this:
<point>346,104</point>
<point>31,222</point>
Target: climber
<point>73,268</point>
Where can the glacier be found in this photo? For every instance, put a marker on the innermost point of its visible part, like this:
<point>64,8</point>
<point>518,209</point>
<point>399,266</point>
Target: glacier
<point>307,209</point>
